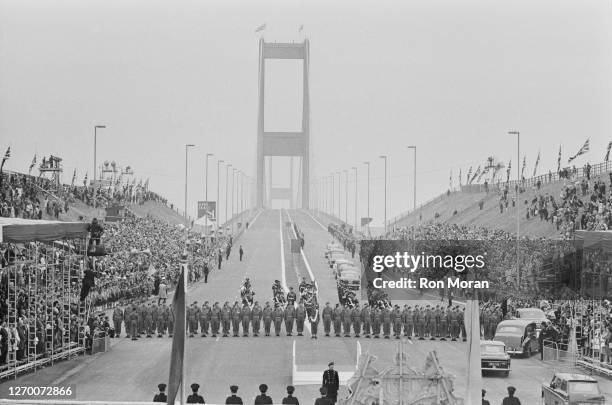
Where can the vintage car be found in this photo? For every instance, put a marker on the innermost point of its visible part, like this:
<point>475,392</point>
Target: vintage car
<point>533,314</point>
<point>343,261</point>
<point>572,389</point>
<point>493,357</point>
<point>342,265</point>
<point>519,335</point>
<point>333,256</point>
<point>333,247</point>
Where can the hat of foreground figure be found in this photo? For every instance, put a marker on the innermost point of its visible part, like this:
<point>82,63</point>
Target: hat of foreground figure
<point>263,388</point>
<point>195,387</point>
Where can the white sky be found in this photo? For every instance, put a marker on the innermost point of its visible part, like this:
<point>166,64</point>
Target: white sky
<point>451,77</point>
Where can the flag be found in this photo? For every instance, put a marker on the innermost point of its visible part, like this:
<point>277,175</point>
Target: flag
<point>508,170</point>
<point>559,160</point>
<point>450,180</point>
<point>608,151</point>
<point>260,28</point>
<point>147,184</point>
<point>460,178</point>
<point>175,378</point>
<point>474,373</point>
<point>476,173</point>
<point>301,28</point>
<point>32,164</point>
<point>535,168</point>
<point>6,157</point>
<point>469,175</point>
<point>585,148</point>
<point>85,180</point>
<point>482,173</point>
<point>73,178</point>
<point>524,166</point>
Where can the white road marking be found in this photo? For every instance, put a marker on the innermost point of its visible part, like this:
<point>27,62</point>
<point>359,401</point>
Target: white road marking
<point>310,273</point>
<point>282,250</point>
<point>314,219</point>
<point>254,219</point>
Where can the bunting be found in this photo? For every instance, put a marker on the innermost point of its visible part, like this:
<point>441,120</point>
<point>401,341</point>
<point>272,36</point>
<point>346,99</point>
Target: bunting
<point>73,178</point>
<point>524,166</point>
<point>508,170</point>
<point>476,174</point>
<point>608,151</point>
<point>6,157</point>
<point>535,168</point>
<point>559,160</point>
<point>585,148</point>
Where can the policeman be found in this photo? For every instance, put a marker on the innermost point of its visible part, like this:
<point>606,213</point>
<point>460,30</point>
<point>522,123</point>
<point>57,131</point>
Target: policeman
<point>300,317</point>
<point>246,319</point>
<point>290,399</point>
<point>289,316</point>
<point>291,297</point>
<point>337,319</point>
<point>205,319</point>
<point>376,316</point>
<point>267,317</point>
<point>396,317</point>
<point>236,315</point>
<point>277,317</point>
<point>234,399</point>
<point>365,318</point>
<point>194,398</point>
<point>215,318</point>
<point>356,315</point>
<point>327,314</point>
<point>408,320</point>
<point>161,396</point>
<point>346,320</point>
<point>256,314</point>
<point>117,319</point>
<point>386,320</point>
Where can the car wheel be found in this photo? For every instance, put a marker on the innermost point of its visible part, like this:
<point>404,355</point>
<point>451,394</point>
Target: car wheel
<point>506,373</point>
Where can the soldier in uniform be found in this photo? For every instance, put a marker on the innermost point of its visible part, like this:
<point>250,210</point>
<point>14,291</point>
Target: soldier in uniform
<point>437,314</point>
<point>337,319</point>
<point>365,318</point>
<point>386,318</point>
<point>142,309</point>
<point>205,319</point>
<point>291,297</point>
<point>161,396</point>
<point>277,317</point>
<point>314,323</point>
<point>462,323</point>
<point>290,399</point>
<point>117,319</point>
<point>346,320</point>
<point>148,320</point>
<point>331,382</point>
<point>194,319</point>
<point>454,324</point>
<point>430,319</point>
<point>421,322</point>
<point>170,320</point>
<point>356,317</point>
<point>161,320</point>
<point>300,317</point>
<point>134,322</point>
<point>289,316</point>
<point>256,313</point>
<point>195,398</point>
<point>234,399</point>
<point>154,312</point>
<point>267,317</point>
<point>396,317</point>
<point>376,316</point>
<point>126,318</point>
<point>246,319</point>
<point>235,313</point>
<point>215,318</point>
<point>443,324</point>
<point>327,314</point>
<point>408,320</point>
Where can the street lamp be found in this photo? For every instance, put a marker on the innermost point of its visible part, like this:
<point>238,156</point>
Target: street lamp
<point>95,160</point>
<point>333,192</point>
<point>385,158</point>
<point>355,169</point>
<point>346,197</point>
<point>208,155</point>
<point>234,170</point>
<point>218,192</point>
<point>518,218</point>
<point>414,192</point>
<point>226,191</point>
<point>339,197</point>
<point>187,146</point>
<point>368,213</point>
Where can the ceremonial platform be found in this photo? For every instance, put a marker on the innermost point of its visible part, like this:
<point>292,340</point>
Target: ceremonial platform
<point>311,359</point>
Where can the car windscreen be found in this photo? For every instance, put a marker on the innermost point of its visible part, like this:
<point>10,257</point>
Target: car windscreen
<point>531,314</point>
<point>491,349</point>
<point>513,330</point>
<point>583,387</point>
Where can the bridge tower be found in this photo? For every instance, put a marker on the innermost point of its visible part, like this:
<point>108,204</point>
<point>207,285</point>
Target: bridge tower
<point>290,144</point>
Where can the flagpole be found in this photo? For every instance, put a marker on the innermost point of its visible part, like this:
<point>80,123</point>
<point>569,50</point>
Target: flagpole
<point>185,325</point>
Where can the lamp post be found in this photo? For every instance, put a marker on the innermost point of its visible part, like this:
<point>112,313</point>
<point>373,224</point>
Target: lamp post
<point>339,197</point>
<point>385,159</point>
<point>187,146</point>
<point>415,175</point>
<point>518,218</point>
<point>234,170</point>
<point>95,161</point>
<point>333,192</point>
<point>368,198</point>
<point>227,167</point>
<point>346,197</point>
<point>218,192</point>
<point>355,169</point>
<point>208,155</point>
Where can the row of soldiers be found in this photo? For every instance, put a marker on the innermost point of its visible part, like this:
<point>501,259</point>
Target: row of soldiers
<point>144,319</point>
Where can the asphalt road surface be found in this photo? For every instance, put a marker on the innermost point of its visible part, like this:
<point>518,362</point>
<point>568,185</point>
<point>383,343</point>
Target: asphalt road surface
<point>130,371</point>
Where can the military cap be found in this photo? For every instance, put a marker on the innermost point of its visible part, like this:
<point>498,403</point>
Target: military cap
<point>195,387</point>
<point>234,389</point>
<point>331,363</point>
<point>263,388</point>
<point>162,386</point>
<point>290,389</point>
<point>323,391</point>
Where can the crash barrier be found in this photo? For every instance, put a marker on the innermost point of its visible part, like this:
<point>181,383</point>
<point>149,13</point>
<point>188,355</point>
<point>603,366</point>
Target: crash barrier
<point>559,352</point>
<point>309,374</point>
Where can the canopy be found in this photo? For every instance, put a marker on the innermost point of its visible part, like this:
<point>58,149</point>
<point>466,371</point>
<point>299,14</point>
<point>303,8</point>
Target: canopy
<point>18,230</point>
<point>594,239</point>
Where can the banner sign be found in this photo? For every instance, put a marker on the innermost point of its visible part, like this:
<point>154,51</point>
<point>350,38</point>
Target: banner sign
<point>207,208</point>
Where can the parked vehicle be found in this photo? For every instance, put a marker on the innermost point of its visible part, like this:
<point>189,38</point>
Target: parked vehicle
<point>572,389</point>
<point>533,314</point>
<point>493,357</point>
<point>519,336</point>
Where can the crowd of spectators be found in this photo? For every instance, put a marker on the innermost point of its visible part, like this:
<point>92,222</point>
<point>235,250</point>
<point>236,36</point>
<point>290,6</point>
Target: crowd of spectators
<point>22,196</point>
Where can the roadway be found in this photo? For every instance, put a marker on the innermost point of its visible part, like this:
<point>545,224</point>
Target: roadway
<point>130,371</point>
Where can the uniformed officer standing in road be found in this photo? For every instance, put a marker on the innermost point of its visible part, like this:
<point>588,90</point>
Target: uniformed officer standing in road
<point>170,320</point>
<point>291,297</point>
<point>408,320</point>
<point>462,322</point>
<point>327,314</point>
<point>376,316</point>
<point>205,319</point>
<point>267,318</point>
<point>161,320</point>
<point>430,322</point>
<point>337,319</point>
<point>236,314</point>
<point>262,398</point>
<point>444,324</point>
<point>347,314</point>
<point>246,319</point>
<point>215,318</point>
<point>454,324</point>
<point>421,323</point>
<point>365,318</point>
<point>195,398</point>
<point>134,322</point>
<point>331,382</point>
<point>289,316</point>
<point>233,399</point>
<point>148,320</point>
<point>314,323</point>
<point>300,318</point>
<point>290,399</point>
<point>117,319</point>
<point>386,318</point>
<point>396,318</point>
<point>356,318</point>
<point>161,396</point>
<point>256,314</point>
<point>126,318</point>
<point>277,317</point>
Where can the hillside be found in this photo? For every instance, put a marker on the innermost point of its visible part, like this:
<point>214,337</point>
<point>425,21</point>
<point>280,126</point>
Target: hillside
<point>468,212</point>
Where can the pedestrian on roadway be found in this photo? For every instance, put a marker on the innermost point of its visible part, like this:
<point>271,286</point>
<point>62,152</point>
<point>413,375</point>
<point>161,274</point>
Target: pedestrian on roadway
<point>206,271</point>
<point>324,399</point>
<point>290,399</point>
<point>331,383</point>
<point>511,399</point>
<point>241,252</point>
<point>233,399</point>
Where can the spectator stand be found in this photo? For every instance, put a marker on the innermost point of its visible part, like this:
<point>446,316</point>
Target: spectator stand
<point>40,277</point>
